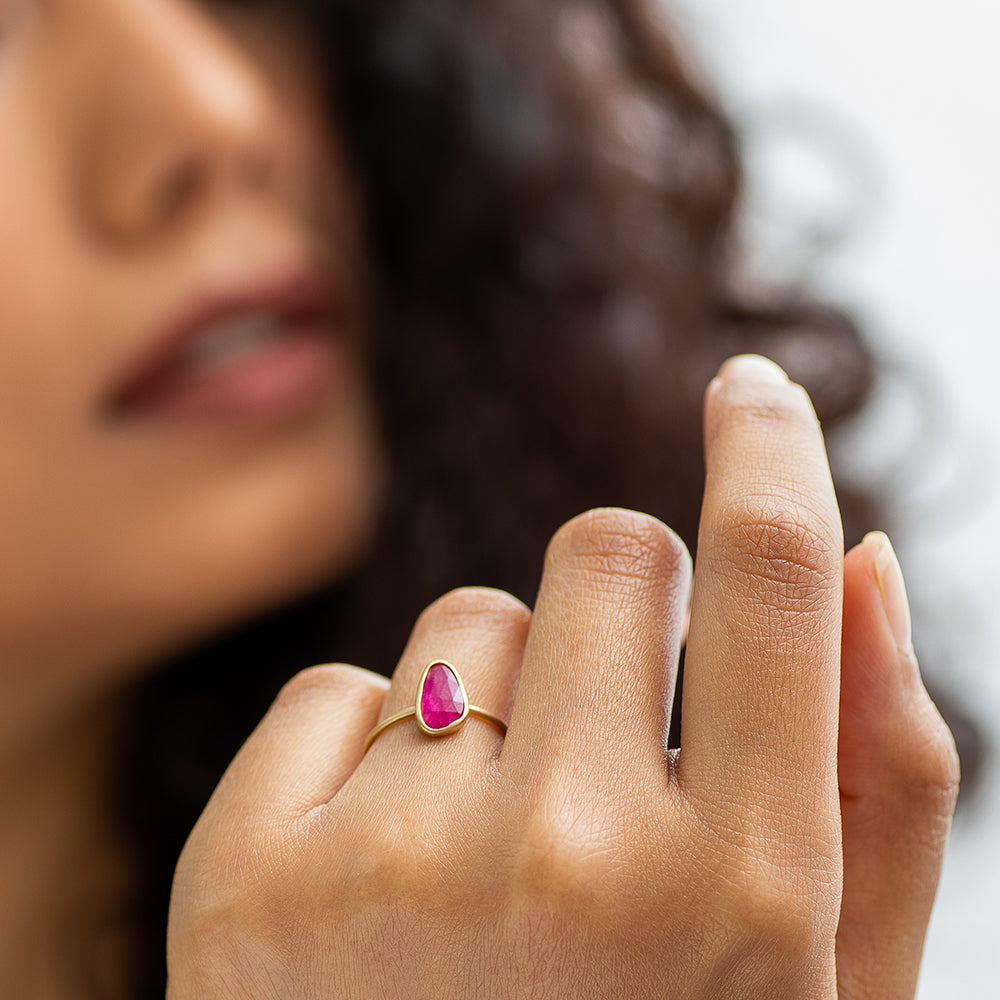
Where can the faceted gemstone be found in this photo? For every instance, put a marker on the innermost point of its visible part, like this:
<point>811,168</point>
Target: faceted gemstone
<point>441,698</point>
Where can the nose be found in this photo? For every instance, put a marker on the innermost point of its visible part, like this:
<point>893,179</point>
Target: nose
<point>174,115</point>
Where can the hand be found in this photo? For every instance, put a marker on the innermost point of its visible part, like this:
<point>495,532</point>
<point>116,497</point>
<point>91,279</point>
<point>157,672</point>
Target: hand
<point>570,859</point>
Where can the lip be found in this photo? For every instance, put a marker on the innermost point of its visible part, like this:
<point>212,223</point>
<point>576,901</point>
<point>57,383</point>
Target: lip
<point>283,380</point>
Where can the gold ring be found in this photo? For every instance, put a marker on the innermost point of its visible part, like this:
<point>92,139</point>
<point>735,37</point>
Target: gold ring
<point>441,705</point>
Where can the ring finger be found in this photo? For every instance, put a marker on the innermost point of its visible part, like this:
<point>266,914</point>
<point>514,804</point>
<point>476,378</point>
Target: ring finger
<point>482,633</point>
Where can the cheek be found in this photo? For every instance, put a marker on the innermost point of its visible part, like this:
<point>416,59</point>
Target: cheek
<point>46,362</point>
<point>37,384</point>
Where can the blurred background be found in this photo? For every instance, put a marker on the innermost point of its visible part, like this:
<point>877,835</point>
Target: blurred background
<point>872,135</point>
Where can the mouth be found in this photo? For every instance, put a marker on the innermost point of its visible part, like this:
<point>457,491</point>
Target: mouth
<point>264,349</point>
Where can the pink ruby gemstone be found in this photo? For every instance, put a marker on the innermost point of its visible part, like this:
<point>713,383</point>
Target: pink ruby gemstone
<point>441,699</point>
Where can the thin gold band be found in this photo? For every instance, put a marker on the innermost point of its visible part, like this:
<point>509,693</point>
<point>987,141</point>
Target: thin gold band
<point>409,713</point>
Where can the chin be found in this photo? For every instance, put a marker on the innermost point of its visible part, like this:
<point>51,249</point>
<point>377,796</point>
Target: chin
<point>276,552</point>
<point>319,545</point>
<point>240,545</point>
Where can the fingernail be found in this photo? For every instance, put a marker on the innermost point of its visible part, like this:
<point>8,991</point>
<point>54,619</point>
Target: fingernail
<point>890,583</point>
<point>752,368</point>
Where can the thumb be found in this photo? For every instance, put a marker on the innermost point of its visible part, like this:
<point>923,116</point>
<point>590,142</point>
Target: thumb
<point>898,773</point>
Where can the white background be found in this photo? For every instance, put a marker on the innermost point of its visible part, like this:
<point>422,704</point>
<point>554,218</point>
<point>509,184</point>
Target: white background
<point>891,110</point>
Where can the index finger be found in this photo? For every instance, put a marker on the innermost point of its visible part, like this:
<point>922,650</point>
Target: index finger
<point>762,670</point>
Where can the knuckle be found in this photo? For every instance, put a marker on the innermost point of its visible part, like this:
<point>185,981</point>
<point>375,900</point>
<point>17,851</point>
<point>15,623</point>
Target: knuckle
<point>393,864</point>
<point>324,680</point>
<point>472,606</point>
<point>231,940</point>
<point>770,913</point>
<point>565,860</point>
<point>783,547</point>
<point>930,764</point>
<point>613,541</point>
<point>213,933</point>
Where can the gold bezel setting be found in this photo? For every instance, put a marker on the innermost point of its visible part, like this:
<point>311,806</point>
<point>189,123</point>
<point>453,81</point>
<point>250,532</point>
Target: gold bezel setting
<point>418,700</point>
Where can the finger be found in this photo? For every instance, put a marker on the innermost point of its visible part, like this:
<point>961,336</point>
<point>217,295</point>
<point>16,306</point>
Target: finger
<point>600,663</point>
<point>481,632</point>
<point>302,752</point>
<point>898,783</point>
<point>763,655</point>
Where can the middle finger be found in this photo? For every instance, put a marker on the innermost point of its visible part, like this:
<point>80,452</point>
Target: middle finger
<point>761,675</point>
<point>598,674</point>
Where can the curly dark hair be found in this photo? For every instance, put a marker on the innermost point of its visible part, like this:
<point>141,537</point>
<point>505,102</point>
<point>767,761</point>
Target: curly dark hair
<point>550,197</point>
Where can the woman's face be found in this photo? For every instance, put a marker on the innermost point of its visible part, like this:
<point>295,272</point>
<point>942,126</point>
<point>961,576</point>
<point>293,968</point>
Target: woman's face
<point>185,433</point>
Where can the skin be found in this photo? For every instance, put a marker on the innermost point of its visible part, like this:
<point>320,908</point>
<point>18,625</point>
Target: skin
<point>150,152</point>
<point>572,857</point>
<point>137,534</point>
<point>150,148</point>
